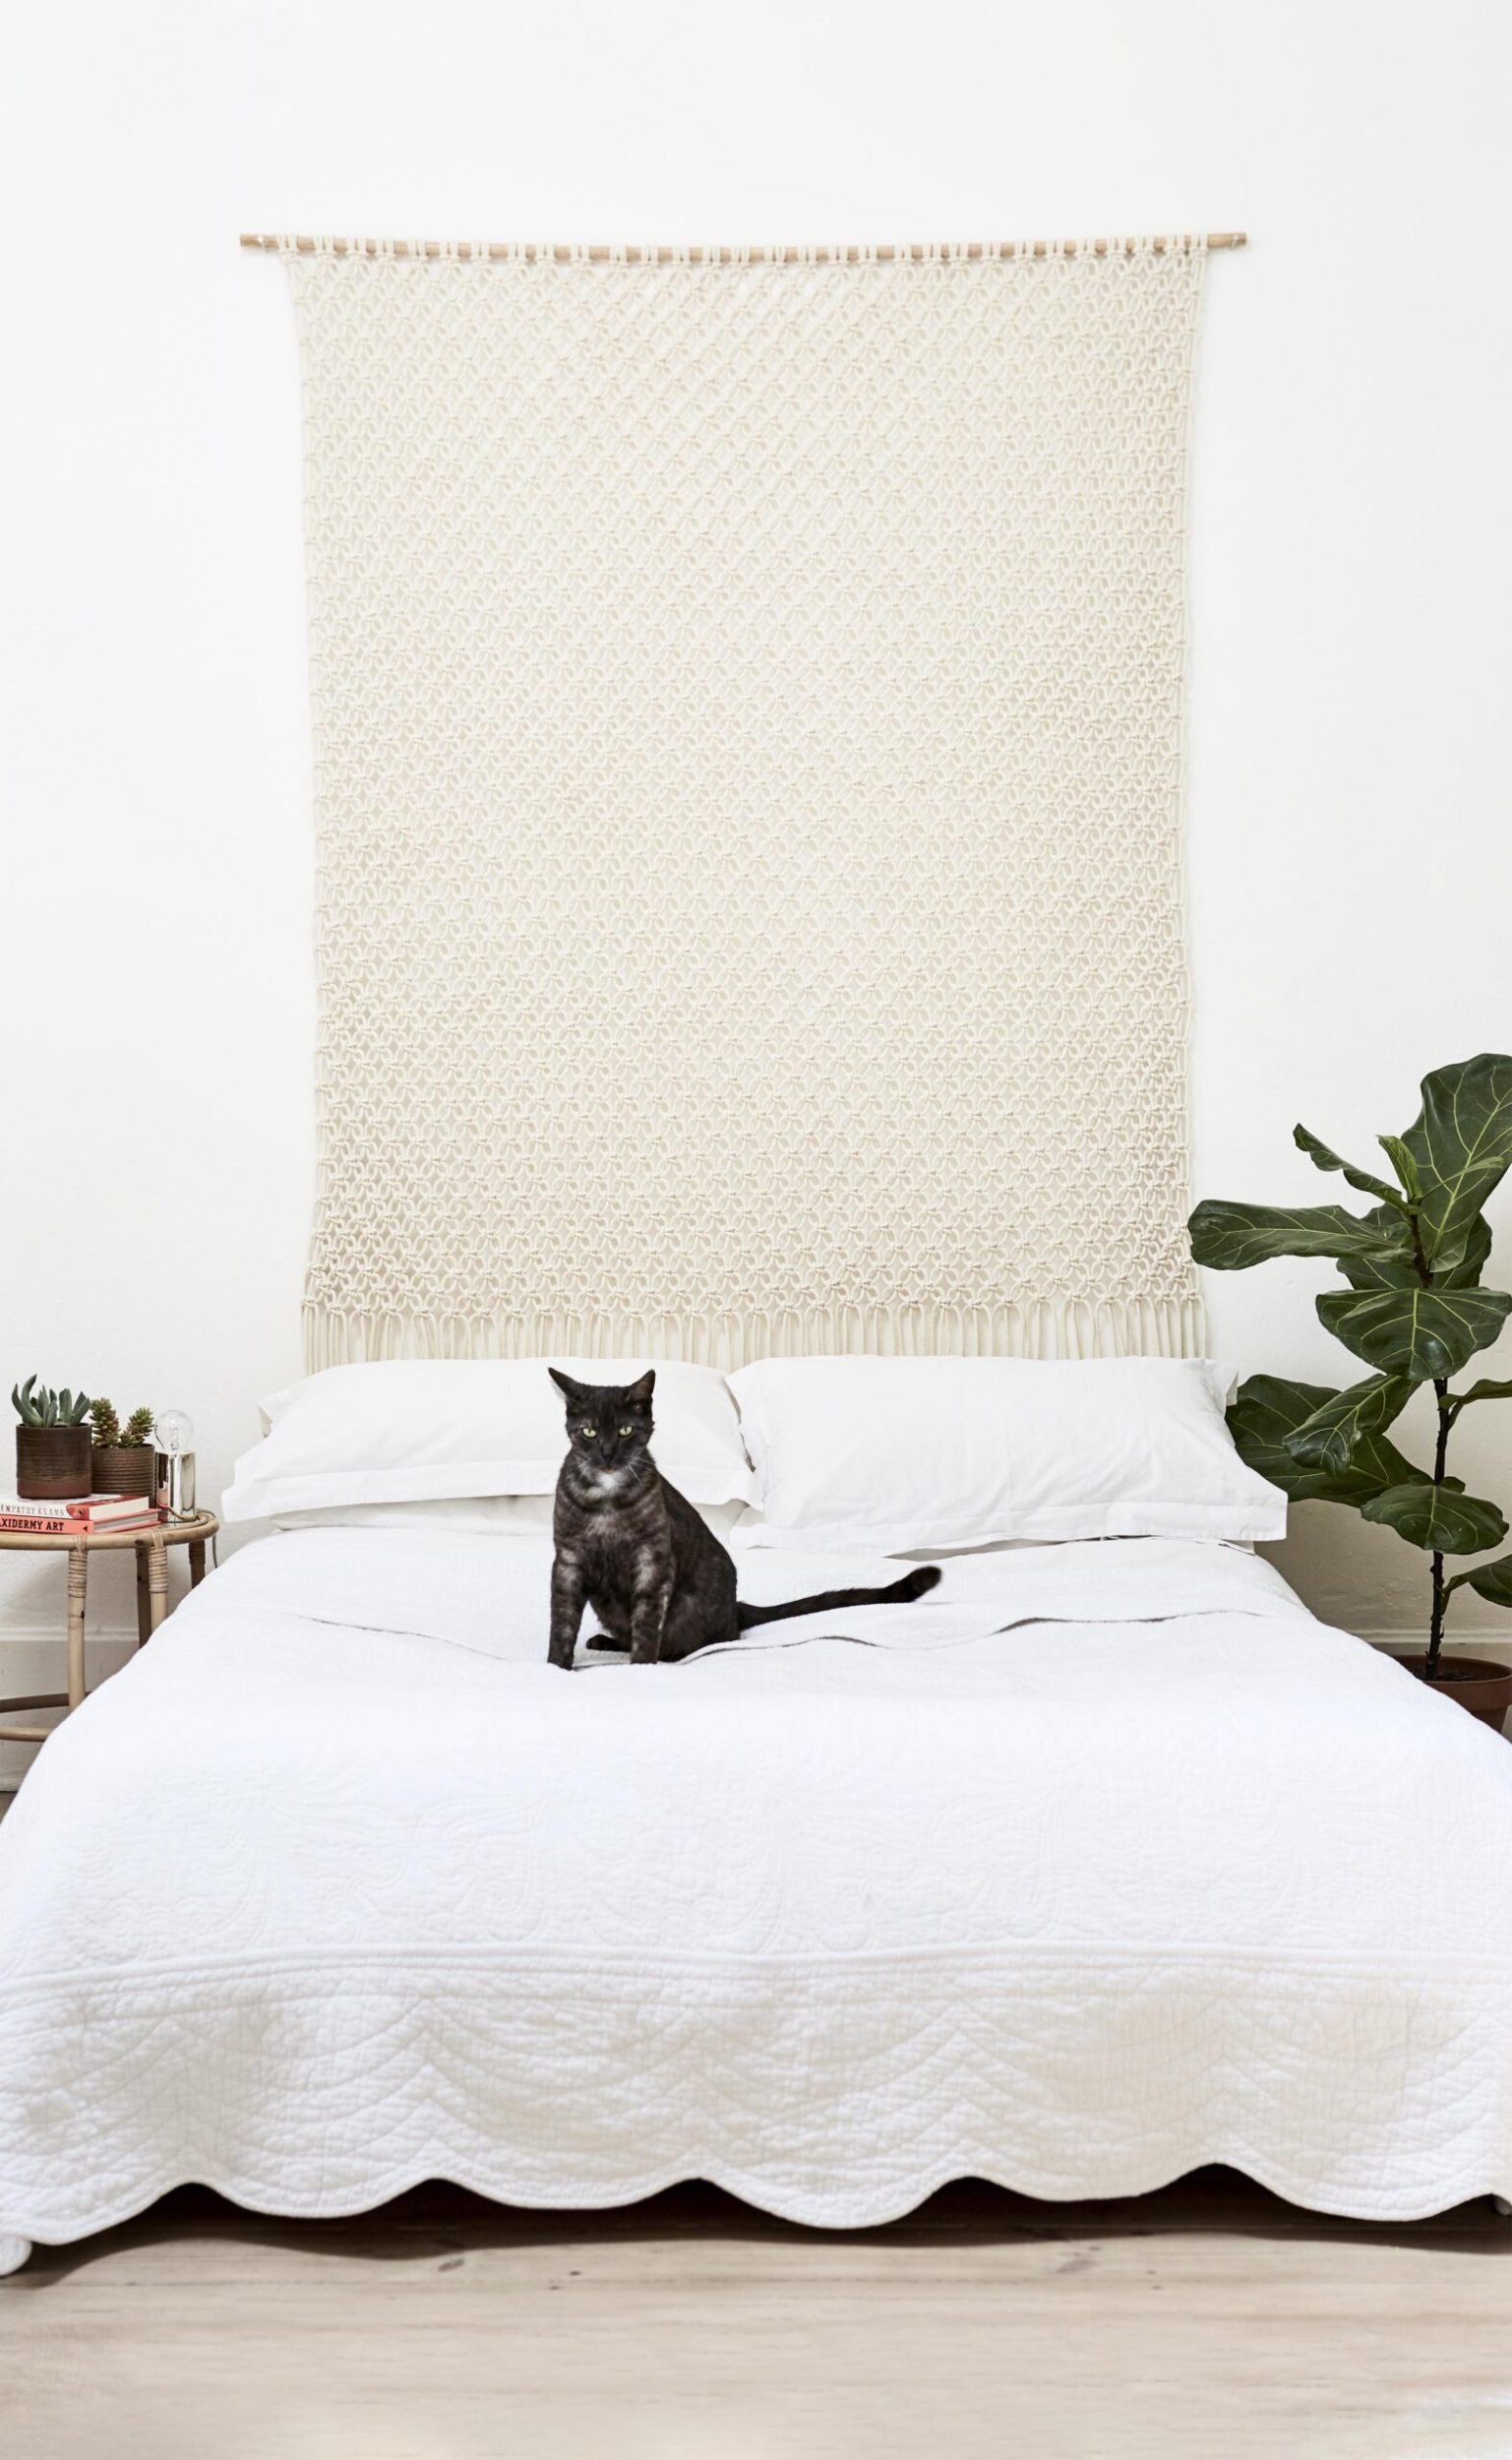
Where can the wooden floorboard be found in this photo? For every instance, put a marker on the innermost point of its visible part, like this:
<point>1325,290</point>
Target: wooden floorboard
<point>1208,2320</point>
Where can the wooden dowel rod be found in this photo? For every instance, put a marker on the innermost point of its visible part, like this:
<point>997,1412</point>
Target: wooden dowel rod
<point>970,249</point>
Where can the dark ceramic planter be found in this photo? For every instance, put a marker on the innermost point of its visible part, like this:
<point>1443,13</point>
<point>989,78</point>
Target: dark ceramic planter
<point>125,1469</point>
<point>1483,1685</point>
<point>53,1463</point>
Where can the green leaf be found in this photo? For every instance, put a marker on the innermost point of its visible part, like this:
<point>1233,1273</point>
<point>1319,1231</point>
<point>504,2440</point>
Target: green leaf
<point>1485,1389</point>
<point>1231,1237</point>
<point>1437,1519</point>
<point>1489,1580</point>
<point>1393,1264</point>
<point>1388,1264</point>
<point>1329,1437</point>
<point>1267,1409</point>
<point>1418,1334</point>
<point>26,1409</point>
<point>1400,1155</point>
<point>1466,1275</point>
<point>1327,1159</point>
<point>1462,1145</point>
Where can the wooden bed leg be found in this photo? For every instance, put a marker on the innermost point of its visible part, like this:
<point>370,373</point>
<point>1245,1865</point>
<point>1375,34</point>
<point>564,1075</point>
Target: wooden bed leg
<point>78,1588</point>
<point>156,1582</point>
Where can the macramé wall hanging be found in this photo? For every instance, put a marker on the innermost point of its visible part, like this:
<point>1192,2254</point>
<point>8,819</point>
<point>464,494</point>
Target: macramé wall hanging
<point>748,708</point>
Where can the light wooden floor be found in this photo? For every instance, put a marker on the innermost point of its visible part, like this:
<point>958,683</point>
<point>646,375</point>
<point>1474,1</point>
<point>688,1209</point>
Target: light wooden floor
<point>1209,2321</point>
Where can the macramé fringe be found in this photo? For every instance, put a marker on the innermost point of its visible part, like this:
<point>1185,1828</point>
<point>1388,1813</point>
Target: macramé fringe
<point>1065,1327</point>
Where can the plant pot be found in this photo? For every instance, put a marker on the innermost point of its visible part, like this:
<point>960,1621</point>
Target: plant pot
<point>125,1469</point>
<point>53,1463</point>
<point>1483,1685</point>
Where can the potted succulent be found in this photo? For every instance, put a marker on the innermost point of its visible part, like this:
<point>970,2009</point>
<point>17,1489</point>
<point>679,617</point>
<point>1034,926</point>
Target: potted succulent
<point>52,1441</point>
<point>124,1460</point>
<point>1414,1312</point>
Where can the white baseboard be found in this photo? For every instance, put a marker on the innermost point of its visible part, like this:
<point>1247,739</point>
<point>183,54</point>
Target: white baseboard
<point>1458,1644</point>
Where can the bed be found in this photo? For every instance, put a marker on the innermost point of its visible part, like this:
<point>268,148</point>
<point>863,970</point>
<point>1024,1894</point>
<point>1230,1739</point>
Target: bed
<point>1105,1861</point>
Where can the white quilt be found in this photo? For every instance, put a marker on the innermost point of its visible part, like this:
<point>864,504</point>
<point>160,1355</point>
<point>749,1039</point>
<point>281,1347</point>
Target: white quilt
<point>1101,1863</point>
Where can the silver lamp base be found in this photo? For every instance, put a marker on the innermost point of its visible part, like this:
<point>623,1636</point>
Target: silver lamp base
<point>180,1481</point>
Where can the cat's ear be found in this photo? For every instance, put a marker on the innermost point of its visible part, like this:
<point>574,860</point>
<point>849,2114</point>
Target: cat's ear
<point>639,1392</point>
<point>564,1383</point>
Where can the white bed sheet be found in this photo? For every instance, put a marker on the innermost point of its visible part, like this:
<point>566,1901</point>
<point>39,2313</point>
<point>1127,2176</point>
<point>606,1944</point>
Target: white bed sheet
<point>1102,1861</point>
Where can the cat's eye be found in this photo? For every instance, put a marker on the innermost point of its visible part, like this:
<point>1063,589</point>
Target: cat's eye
<point>587,1432</point>
<point>627,1430</point>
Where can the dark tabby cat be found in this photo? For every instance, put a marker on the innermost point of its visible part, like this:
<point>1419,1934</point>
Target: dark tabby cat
<point>635,1551</point>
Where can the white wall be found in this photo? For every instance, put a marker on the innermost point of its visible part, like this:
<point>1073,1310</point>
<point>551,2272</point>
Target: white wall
<point>1349,755</point>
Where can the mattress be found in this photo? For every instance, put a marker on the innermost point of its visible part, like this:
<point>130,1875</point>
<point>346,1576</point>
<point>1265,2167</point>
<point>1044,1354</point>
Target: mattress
<point>1102,1861</point>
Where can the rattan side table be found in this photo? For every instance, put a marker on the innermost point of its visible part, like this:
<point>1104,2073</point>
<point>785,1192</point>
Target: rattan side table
<point>152,1547</point>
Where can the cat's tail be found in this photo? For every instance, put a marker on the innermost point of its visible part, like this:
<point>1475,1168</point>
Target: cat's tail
<point>915,1583</point>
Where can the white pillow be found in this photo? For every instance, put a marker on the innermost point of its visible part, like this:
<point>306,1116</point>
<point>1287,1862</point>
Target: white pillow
<point>479,1515</point>
<point>889,1454</point>
<point>415,1429</point>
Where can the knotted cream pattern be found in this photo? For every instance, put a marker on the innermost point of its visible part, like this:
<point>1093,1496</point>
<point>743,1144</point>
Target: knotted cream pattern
<point>747,712</point>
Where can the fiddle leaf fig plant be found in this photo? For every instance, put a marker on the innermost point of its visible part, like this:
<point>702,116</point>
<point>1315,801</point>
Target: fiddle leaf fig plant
<point>1414,1312</point>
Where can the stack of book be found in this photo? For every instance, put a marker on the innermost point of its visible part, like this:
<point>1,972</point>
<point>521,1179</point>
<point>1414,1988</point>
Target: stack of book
<point>78,1515</point>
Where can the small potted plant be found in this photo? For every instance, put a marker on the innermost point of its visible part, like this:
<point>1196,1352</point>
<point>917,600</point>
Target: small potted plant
<point>52,1441</point>
<point>124,1460</point>
<point>1414,1312</point>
